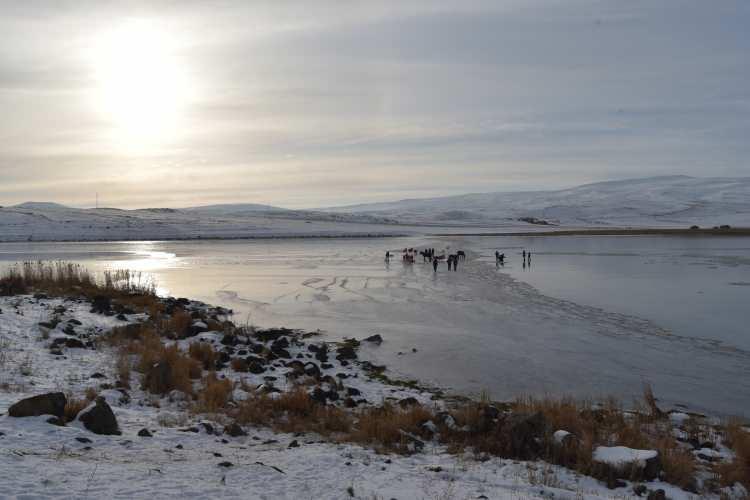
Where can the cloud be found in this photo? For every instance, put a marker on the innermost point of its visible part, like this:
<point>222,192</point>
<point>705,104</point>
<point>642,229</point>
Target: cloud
<point>371,100</point>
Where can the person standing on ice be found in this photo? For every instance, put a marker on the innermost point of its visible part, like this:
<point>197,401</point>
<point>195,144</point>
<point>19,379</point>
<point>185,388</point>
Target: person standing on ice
<point>434,265</point>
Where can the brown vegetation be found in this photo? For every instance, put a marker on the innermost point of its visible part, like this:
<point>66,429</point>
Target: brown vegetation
<point>203,353</point>
<point>214,394</point>
<point>73,407</point>
<point>737,437</point>
<point>293,411</point>
<point>59,278</point>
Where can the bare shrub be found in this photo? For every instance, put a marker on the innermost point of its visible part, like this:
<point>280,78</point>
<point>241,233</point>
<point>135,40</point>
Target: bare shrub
<point>73,407</point>
<point>737,437</point>
<point>214,394</point>
<point>203,353</point>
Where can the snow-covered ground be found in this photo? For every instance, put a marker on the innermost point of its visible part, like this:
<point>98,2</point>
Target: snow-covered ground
<point>677,201</point>
<point>40,460</point>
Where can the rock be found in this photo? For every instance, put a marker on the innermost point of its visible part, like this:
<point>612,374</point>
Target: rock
<point>322,353</point>
<point>281,343</point>
<point>196,328</point>
<point>121,317</point>
<point>346,352</point>
<point>318,395</point>
<point>97,375</point>
<point>525,431</point>
<point>255,367</point>
<point>298,368</point>
<point>145,433</point>
<point>640,489</point>
<point>228,339</point>
<point>99,418</point>
<point>656,495</point>
<point>280,352</point>
<point>312,370</point>
<point>101,305</point>
<point>350,403</point>
<point>52,403</point>
<point>74,321</point>
<point>412,442</point>
<point>56,421</point>
<point>620,462</point>
<point>73,343</point>
<point>407,402</point>
<point>83,440</point>
<point>375,339</point>
<point>207,427</point>
<point>226,464</point>
<point>352,391</point>
<point>490,412</point>
<point>234,430</point>
<point>294,444</point>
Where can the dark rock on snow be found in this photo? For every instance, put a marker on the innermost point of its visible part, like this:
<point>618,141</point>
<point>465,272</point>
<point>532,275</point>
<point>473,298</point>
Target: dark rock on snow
<point>52,403</point>
<point>234,430</point>
<point>100,419</point>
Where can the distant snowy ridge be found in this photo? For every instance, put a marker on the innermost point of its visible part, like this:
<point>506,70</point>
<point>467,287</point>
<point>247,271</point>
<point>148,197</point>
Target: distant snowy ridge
<point>653,201</point>
<point>675,201</point>
<point>52,222</point>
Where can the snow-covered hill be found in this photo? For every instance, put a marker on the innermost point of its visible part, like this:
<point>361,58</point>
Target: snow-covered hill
<point>676,201</point>
<point>654,201</point>
<point>51,222</point>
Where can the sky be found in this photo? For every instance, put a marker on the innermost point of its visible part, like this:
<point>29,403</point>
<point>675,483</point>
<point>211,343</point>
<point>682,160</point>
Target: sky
<point>315,103</point>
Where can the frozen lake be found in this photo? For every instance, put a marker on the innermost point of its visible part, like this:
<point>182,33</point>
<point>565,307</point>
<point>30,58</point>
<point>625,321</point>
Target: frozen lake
<point>592,316</point>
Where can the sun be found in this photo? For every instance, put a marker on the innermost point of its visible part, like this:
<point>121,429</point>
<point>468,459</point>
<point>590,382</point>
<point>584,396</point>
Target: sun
<point>142,87</point>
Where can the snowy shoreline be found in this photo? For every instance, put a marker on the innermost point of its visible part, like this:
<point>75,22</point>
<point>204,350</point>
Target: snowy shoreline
<point>185,446</point>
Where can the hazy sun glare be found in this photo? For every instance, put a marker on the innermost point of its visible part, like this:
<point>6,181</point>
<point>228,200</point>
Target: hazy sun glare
<point>142,86</point>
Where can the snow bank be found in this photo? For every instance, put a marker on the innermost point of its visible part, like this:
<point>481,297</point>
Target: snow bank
<point>622,455</point>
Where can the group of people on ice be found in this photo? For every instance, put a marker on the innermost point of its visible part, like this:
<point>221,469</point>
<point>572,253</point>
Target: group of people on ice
<point>409,256</point>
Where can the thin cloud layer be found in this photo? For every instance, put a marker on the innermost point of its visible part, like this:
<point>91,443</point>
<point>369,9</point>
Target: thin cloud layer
<point>320,103</point>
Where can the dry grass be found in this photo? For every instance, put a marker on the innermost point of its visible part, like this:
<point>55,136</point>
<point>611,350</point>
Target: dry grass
<point>384,427</point>
<point>738,471</point>
<point>239,365</point>
<point>73,407</point>
<point>293,411</point>
<point>203,353</point>
<point>163,368</point>
<point>123,370</point>
<point>91,394</point>
<point>59,278</point>
<point>214,394</point>
<point>178,324</point>
<point>167,368</point>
